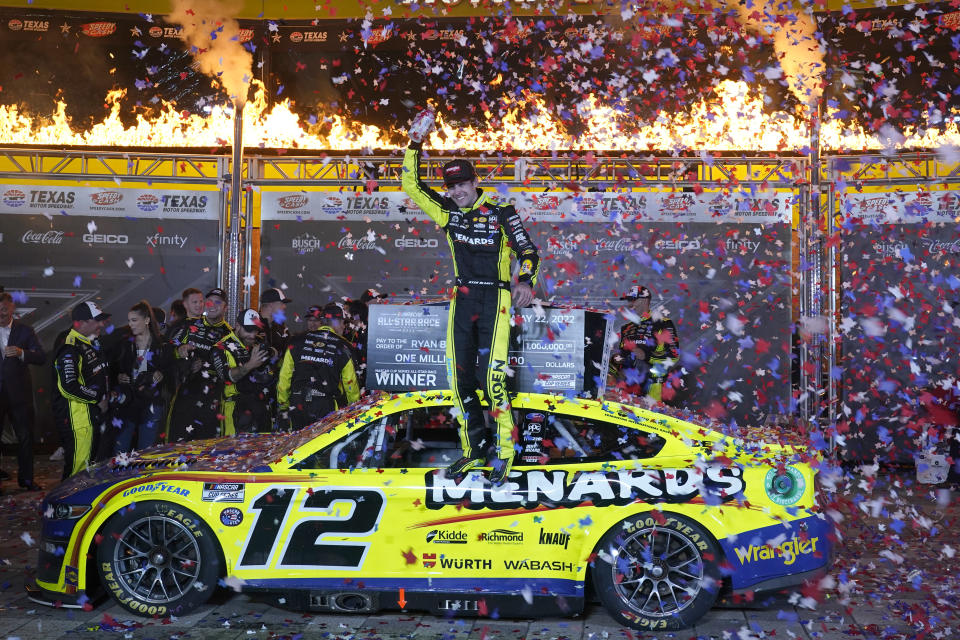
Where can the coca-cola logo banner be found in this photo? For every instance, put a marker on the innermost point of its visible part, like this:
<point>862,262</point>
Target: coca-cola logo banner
<point>97,202</point>
<point>561,206</point>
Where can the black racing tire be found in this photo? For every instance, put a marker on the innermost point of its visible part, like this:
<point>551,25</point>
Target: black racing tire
<point>158,559</point>
<point>657,573</point>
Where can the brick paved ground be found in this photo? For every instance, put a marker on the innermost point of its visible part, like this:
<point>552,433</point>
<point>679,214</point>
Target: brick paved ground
<point>896,577</point>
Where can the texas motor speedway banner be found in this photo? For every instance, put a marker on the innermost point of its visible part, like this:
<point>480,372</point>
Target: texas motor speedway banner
<point>65,244</point>
<point>719,265</point>
<point>900,264</point>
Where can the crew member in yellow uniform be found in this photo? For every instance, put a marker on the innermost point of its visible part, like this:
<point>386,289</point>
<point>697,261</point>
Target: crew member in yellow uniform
<point>82,382</point>
<point>482,234</point>
<point>317,374</point>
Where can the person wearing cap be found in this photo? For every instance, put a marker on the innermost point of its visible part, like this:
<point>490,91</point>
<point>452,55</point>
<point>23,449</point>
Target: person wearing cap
<point>83,387</point>
<point>248,368</point>
<point>482,235</point>
<point>318,374</point>
<point>273,308</point>
<point>648,347</point>
<point>19,348</point>
<point>196,404</point>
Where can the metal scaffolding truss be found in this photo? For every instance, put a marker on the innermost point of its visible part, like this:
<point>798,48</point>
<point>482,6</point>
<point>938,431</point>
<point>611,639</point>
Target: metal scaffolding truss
<point>902,169</point>
<point>48,164</point>
<point>585,172</point>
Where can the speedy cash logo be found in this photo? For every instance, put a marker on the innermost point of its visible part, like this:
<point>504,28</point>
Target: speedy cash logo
<point>106,198</point>
<point>98,29</point>
<point>545,202</point>
<point>14,198</point>
<point>292,202</point>
<point>677,203</point>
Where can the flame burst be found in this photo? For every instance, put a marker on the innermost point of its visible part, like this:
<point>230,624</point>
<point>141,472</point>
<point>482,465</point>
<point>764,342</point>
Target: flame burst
<point>733,120</point>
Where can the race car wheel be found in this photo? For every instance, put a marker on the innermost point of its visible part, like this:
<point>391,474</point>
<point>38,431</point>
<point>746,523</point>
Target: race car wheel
<point>657,573</point>
<point>158,559</point>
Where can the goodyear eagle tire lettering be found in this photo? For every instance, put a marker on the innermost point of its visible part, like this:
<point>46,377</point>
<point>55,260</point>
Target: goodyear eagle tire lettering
<point>158,559</point>
<point>657,573</point>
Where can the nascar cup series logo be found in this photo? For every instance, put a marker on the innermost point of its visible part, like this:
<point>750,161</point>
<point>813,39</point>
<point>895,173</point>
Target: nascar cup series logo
<point>14,198</point>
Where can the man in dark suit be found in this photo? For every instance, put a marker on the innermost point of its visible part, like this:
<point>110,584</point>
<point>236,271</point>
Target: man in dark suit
<point>19,347</point>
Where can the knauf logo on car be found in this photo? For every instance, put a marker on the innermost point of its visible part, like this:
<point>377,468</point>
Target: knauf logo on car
<point>148,202</point>
<point>14,197</point>
<point>98,29</point>
<point>106,198</point>
<point>293,202</point>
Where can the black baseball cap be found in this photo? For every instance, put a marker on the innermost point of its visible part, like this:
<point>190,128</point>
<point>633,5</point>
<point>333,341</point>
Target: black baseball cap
<point>274,295</point>
<point>88,311</point>
<point>457,171</point>
<point>331,311</point>
<point>637,293</point>
<point>220,293</point>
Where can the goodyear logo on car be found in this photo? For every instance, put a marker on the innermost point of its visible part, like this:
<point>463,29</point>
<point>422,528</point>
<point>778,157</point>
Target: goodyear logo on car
<point>156,487</point>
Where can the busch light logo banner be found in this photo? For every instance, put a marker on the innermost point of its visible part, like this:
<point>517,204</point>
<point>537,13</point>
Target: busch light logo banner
<point>900,265</point>
<point>719,266</point>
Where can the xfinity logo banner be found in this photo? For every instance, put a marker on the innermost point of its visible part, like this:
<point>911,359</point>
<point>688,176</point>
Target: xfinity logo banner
<point>560,206</point>
<point>102,202</point>
<point>899,207</point>
<point>159,240</point>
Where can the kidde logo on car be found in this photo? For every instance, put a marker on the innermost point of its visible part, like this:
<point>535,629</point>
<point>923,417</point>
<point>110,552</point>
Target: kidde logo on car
<point>293,202</point>
<point>439,536</point>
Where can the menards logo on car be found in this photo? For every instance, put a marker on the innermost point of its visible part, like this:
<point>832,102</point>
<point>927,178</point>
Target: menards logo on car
<point>530,489</point>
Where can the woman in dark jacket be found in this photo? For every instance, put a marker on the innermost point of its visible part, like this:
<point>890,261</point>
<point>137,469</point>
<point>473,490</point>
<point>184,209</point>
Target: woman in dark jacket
<point>143,361</point>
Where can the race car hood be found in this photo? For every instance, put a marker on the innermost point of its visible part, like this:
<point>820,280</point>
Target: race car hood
<point>776,442</point>
<point>233,454</point>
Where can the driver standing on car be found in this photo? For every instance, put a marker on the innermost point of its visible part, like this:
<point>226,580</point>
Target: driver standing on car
<point>482,234</point>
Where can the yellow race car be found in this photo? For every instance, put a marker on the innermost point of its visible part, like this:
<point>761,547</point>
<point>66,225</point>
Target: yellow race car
<point>653,515</point>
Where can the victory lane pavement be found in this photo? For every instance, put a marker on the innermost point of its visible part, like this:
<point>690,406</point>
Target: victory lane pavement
<point>894,583</point>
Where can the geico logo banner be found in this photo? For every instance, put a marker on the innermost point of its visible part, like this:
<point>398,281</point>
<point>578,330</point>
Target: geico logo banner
<point>105,238</point>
